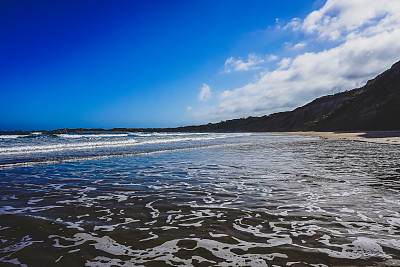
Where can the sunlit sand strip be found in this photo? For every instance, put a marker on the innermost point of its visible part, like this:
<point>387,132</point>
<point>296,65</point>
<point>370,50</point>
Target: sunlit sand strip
<point>383,137</point>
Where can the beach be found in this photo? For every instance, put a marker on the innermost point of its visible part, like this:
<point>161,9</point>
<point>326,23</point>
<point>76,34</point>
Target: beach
<point>382,137</point>
<point>205,199</point>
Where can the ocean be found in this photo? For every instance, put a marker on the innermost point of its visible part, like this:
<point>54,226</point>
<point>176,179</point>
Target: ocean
<point>197,199</point>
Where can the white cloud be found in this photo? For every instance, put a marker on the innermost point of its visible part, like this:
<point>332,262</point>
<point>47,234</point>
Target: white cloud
<point>338,18</point>
<point>189,108</point>
<point>284,63</point>
<point>253,62</point>
<point>205,93</point>
<point>295,24</point>
<point>300,45</point>
<point>367,35</point>
<point>272,58</point>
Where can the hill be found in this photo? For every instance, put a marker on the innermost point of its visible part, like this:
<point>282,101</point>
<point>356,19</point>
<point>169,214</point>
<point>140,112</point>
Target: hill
<point>375,106</point>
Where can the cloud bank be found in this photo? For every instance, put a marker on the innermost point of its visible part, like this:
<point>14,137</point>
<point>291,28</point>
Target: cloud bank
<point>364,37</point>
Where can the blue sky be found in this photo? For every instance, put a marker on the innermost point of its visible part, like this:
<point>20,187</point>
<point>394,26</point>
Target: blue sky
<point>70,64</point>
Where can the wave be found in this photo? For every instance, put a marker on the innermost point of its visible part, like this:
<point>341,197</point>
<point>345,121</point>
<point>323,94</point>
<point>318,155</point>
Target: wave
<point>175,134</point>
<point>62,147</point>
<point>138,134</point>
<point>10,136</point>
<point>54,160</point>
<point>36,149</point>
<point>14,136</point>
<point>91,135</point>
<point>157,134</point>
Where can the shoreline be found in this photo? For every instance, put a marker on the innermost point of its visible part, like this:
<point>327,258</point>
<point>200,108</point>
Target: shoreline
<point>382,137</point>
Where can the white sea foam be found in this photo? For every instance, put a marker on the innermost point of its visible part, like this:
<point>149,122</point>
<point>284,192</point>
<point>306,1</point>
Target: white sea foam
<point>109,228</point>
<point>155,212</point>
<point>26,241</point>
<point>394,221</point>
<point>361,248</point>
<point>217,235</point>
<point>12,210</point>
<point>166,252</point>
<point>34,201</point>
<point>195,224</point>
<point>153,236</point>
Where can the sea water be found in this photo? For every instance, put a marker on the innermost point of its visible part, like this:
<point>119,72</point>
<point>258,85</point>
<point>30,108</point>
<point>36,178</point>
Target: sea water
<point>204,199</point>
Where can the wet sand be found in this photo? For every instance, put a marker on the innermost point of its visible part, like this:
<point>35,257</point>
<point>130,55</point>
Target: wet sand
<point>385,137</point>
<point>199,200</point>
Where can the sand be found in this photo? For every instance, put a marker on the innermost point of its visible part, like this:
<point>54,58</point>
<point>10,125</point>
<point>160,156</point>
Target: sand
<point>385,137</point>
